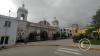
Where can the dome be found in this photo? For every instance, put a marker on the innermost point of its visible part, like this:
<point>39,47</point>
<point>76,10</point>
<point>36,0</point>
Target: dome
<point>44,22</point>
<point>22,9</point>
<point>56,21</point>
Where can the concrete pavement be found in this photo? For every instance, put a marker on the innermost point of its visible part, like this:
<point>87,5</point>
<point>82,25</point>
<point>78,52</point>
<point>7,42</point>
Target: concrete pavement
<point>64,42</point>
<point>47,48</point>
<point>46,51</point>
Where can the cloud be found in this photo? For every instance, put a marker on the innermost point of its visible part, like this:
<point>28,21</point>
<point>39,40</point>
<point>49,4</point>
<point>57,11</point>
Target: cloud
<point>66,11</point>
<point>6,6</point>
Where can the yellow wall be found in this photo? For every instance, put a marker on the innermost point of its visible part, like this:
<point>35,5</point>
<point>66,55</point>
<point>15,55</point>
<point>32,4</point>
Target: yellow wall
<point>80,31</point>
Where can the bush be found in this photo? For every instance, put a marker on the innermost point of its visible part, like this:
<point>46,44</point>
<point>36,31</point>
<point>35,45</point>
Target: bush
<point>76,39</point>
<point>79,37</point>
<point>95,41</point>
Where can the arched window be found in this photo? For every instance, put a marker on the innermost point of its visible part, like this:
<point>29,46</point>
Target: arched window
<point>22,17</point>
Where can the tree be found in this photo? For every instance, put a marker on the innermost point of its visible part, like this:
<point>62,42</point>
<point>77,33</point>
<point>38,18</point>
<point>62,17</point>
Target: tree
<point>89,32</point>
<point>96,19</point>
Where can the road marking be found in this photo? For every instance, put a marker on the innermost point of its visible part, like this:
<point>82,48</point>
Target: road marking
<point>60,53</point>
<point>66,50</point>
<point>69,49</point>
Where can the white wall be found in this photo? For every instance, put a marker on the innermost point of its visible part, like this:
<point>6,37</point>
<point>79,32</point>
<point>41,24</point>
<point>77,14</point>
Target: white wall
<point>11,31</point>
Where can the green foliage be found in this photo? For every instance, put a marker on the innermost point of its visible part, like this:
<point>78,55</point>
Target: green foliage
<point>89,31</point>
<point>95,41</point>
<point>96,19</point>
<point>79,37</point>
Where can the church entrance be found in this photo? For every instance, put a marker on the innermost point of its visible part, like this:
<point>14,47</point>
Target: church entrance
<point>43,35</point>
<point>32,36</point>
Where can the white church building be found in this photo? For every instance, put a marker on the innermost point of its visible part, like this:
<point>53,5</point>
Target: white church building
<point>18,28</point>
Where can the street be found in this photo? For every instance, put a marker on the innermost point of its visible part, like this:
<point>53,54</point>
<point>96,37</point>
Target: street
<point>29,50</point>
<point>49,27</point>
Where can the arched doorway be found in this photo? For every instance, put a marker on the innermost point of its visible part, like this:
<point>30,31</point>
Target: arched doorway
<point>32,36</point>
<point>43,35</point>
<point>56,36</point>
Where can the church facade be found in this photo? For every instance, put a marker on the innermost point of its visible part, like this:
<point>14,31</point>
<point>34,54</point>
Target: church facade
<point>16,29</point>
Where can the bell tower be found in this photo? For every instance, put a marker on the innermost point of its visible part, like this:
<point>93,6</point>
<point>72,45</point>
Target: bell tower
<point>55,23</point>
<point>22,13</point>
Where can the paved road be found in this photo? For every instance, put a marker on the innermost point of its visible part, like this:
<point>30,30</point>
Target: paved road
<point>47,51</point>
<point>66,42</point>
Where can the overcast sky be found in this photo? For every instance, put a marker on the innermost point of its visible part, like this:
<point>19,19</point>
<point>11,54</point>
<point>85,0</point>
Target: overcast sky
<point>66,11</point>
